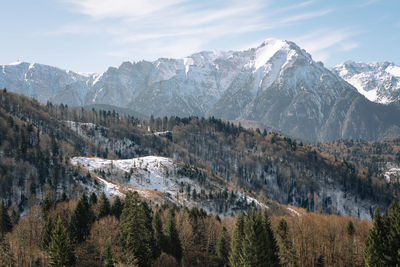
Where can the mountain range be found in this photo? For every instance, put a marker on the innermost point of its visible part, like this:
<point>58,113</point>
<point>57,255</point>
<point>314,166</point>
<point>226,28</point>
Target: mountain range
<point>276,84</point>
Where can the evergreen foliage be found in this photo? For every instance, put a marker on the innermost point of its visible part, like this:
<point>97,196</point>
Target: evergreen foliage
<point>60,248</point>
<point>382,245</point>
<point>108,257</point>
<point>287,253</point>
<point>45,235</point>
<point>81,220</point>
<point>237,242</point>
<point>5,221</point>
<point>6,256</point>
<point>103,206</point>
<point>159,237</point>
<point>117,206</point>
<point>173,243</point>
<point>136,233</point>
<point>222,248</point>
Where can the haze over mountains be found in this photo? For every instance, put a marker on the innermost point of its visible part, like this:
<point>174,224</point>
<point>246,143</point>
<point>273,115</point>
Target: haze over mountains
<point>276,83</point>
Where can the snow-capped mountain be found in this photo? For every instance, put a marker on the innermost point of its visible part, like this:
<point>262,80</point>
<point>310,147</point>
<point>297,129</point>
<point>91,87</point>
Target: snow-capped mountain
<point>377,81</point>
<point>276,83</point>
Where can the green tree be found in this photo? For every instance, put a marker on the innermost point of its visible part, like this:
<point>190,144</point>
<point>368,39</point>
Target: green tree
<point>173,243</point>
<point>158,234</point>
<point>60,249</point>
<point>46,205</point>
<point>81,220</point>
<point>116,208</point>
<point>222,248</point>
<point>349,254</point>
<point>103,206</point>
<point>136,233</point>
<point>5,221</point>
<point>237,241</point>
<point>45,235</point>
<point>92,198</point>
<point>108,257</point>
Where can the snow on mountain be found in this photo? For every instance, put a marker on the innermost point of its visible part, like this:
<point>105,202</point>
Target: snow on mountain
<point>377,81</point>
<point>157,179</point>
<point>276,83</point>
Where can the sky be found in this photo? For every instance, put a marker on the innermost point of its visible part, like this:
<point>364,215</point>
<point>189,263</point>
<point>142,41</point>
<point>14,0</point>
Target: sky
<point>91,35</point>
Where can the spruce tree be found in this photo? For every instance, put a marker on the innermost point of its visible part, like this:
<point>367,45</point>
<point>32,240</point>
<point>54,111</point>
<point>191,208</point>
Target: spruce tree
<point>92,198</point>
<point>173,242</point>
<point>45,235</point>
<point>116,208</point>
<point>158,234</point>
<point>254,243</point>
<point>136,235</point>
<point>46,205</point>
<point>237,241</point>
<point>81,220</point>
<point>222,248</point>
<point>60,248</point>
<point>103,206</point>
<point>5,221</point>
<point>376,242</point>
<point>272,249</point>
<point>108,258</point>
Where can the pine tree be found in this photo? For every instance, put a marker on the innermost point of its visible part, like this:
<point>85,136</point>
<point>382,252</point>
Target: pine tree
<point>92,198</point>
<point>108,258</point>
<point>376,242</point>
<point>46,205</point>
<point>81,220</point>
<point>237,242</point>
<point>117,207</point>
<point>104,206</point>
<point>222,248</point>
<point>45,235</point>
<point>173,243</point>
<point>158,234</point>
<point>136,235</point>
<point>271,248</point>
<point>5,221</point>
<point>60,249</point>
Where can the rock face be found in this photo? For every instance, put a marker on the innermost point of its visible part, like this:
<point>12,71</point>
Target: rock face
<point>377,81</point>
<point>277,84</point>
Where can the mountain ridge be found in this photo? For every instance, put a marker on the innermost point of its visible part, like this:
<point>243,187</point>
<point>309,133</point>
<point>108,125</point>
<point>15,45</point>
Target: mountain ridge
<point>276,83</point>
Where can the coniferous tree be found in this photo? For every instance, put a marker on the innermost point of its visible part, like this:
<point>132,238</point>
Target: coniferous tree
<point>272,248</point>
<point>60,248</point>
<point>5,221</point>
<point>92,198</point>
<point>136,235</point>
<point>116,208</point>
<point>108,257</point>
<point>237,242</point>
<point>376,242</point>
<point>222,248</point>
<point>349,259</point>
<point>158,234</point>
<point>103,206</point>
<point>173,243</point>
<point>81,220</point>
<point>45,235</point>
<point>46,205</point>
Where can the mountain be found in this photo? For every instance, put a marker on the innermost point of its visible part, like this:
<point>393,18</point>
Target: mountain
<point>277,84</point>
<point>377,81</point>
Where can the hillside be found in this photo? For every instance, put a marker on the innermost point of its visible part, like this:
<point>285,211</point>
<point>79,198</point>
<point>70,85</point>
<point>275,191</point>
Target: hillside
<point>226,157</point>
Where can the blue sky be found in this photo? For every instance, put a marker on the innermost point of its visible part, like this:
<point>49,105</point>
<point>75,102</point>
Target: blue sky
<point>90,35</point>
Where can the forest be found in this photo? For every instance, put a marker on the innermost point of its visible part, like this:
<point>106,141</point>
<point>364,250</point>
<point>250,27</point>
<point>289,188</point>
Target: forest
<point>47,217</point>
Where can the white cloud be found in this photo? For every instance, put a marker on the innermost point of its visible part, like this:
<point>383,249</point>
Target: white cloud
<point>322,43</point>
<point>177,27</point>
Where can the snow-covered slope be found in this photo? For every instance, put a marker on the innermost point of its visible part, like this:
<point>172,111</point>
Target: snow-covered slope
<point>377,81</point>
<point>158,179</point>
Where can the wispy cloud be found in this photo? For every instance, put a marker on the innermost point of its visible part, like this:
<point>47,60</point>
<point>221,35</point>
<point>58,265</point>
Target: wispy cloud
<point>179,27</point>
<point>322,43</point>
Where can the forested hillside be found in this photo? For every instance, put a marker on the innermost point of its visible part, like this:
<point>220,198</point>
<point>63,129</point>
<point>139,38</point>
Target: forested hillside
<point>267,165</point>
